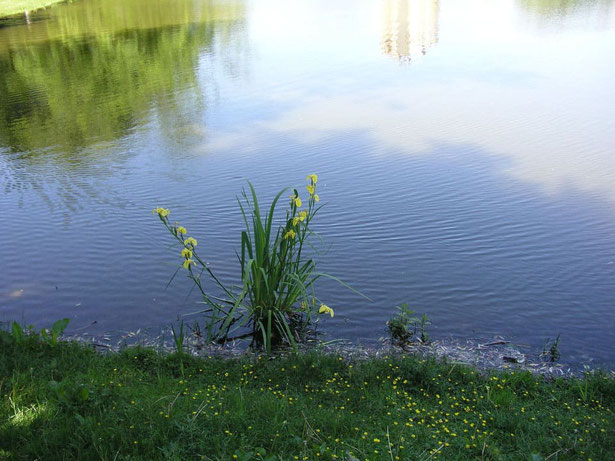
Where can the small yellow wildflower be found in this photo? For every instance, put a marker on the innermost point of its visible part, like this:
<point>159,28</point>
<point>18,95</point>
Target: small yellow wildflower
<point>324,309</point>
<point>190,242</point>
<point>312,177</point>
<point>181,230</point>
<point>310,188</point>
<point>189,262</point>
<point>290,234</point>
<point>162,212</point>
<point>186,253</point>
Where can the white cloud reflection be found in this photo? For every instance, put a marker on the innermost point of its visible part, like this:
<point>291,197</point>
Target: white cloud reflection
<point>543,102</point>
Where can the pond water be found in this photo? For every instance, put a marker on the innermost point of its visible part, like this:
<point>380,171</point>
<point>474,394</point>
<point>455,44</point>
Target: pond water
<point>465,150</point>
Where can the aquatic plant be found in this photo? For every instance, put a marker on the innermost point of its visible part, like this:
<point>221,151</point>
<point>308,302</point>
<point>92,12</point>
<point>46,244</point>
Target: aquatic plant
<point>424,322</point>
<point>276,299</point>
<point>178,337</point>
<point>553,353</point>
<point>403,326</point>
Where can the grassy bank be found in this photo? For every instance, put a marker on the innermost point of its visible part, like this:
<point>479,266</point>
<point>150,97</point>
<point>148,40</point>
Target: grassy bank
<point>64,402</point>
<point>11,7</point>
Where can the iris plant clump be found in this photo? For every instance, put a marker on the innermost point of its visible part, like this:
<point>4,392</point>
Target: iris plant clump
<point>276,300</point>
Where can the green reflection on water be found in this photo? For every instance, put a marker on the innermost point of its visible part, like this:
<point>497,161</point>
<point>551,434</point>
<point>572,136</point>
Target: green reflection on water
<point>550,8</point>
<point>95,69</point>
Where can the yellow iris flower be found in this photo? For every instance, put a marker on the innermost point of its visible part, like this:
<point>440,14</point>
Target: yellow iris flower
<point>296,220</point>
<point>290,234</point>
<point>190,242</point>
<point>186,253</point>
<point>302,215</point>
<point>294,199</point>
<point>162,212</point>
<point>181,230</point>
<point>312,177</point>
<point>317,198</point>
<point>188,263</point>
<point>310,189</point>
<point>324,309</point>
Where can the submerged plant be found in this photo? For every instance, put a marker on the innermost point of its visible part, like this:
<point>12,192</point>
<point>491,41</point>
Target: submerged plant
<point>276,299</point>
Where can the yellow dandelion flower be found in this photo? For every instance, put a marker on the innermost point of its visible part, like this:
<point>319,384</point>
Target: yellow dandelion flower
<point>190,242</point>
<point>188,263</point>
<point>324,309</point>
<point>312,177</point>
<point>290,234</point>
<point>181,230</point>
<point>186,253</point>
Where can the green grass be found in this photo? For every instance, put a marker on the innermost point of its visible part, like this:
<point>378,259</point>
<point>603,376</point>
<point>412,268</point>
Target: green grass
<point>11,7</point>
<point>66,402</point>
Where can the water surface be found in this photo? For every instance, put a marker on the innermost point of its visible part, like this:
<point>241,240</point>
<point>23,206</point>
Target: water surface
<point>464,149</point>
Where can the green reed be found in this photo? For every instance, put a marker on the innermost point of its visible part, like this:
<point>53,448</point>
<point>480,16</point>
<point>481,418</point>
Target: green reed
<point>276,299</point>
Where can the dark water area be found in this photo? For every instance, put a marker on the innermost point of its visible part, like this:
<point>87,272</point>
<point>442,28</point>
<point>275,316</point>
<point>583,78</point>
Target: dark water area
<point>465,153</point>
